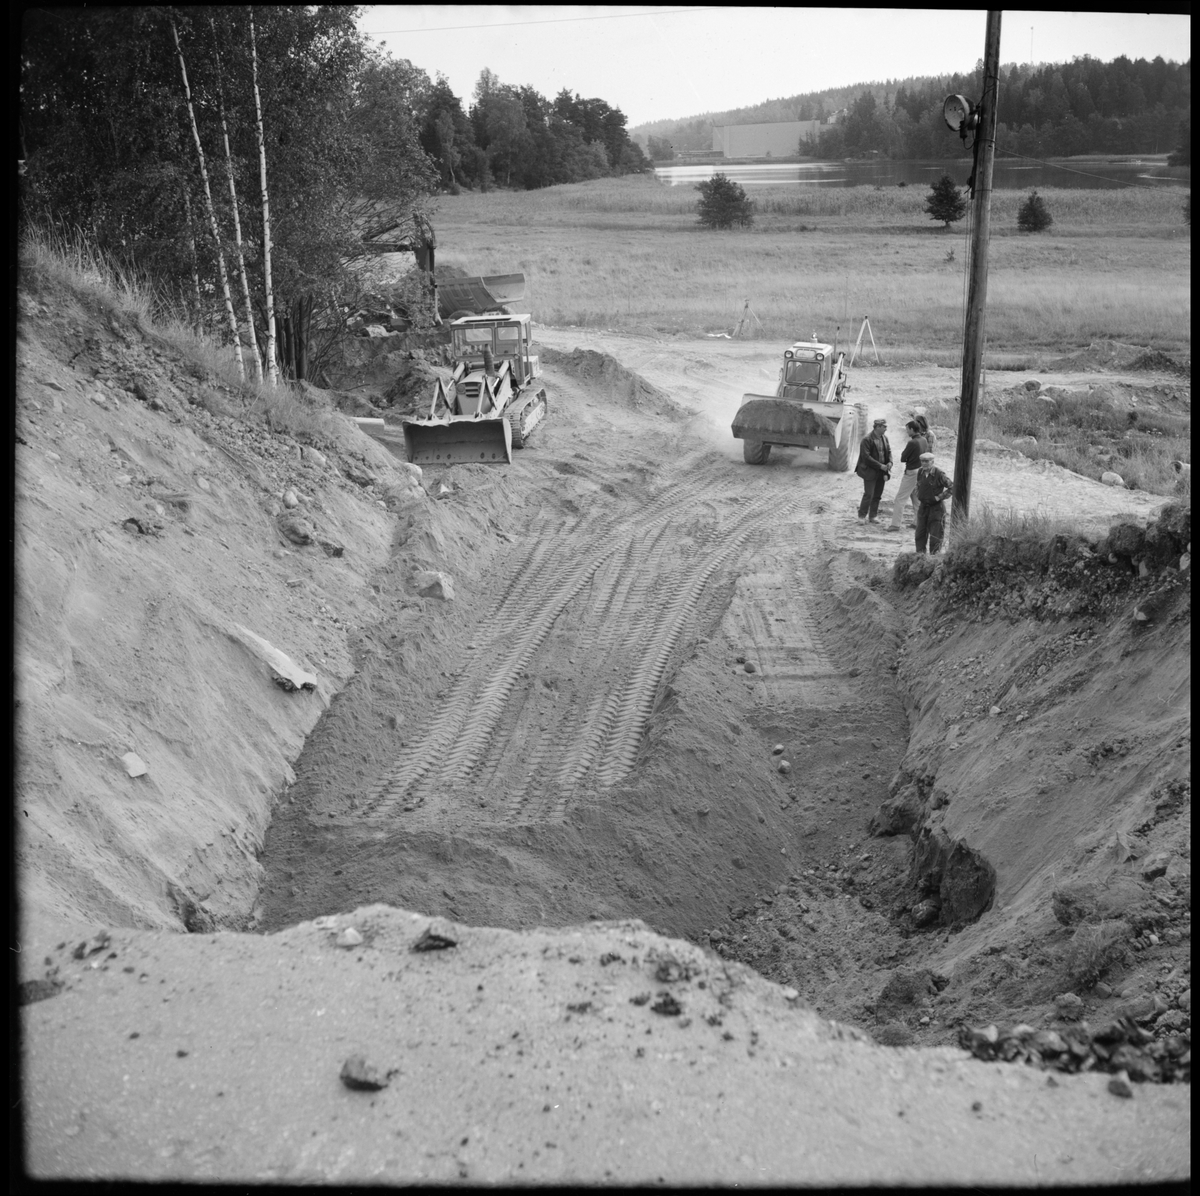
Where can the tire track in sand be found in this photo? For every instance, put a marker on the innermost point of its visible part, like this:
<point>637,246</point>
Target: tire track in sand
<point>558,568</point>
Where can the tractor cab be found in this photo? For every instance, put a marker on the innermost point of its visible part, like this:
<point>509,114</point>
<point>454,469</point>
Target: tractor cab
<point>807,369</point>
<point>503,337</point>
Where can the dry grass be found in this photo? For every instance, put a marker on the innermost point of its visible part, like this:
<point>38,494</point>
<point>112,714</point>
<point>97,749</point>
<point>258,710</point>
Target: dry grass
<point>987,522</point>
<point>1094,947</point>
<point>53,259</point>
<point>630,254</point>
<point>1090,435</point>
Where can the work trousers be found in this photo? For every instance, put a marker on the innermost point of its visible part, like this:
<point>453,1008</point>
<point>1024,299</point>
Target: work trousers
<point>931,526</point>
<point>872,492</point>
<point>908,485</point>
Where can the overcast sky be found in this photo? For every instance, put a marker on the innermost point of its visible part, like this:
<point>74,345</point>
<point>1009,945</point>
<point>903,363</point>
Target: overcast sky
<point>657,63</point>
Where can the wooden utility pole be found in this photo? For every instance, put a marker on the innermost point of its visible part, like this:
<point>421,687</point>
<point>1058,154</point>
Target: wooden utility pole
<point>973,333</point>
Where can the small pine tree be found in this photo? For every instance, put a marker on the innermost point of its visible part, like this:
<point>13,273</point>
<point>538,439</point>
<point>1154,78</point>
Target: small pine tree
<point>945,202</point>
<point>1033,216</point>
<point>723,203</point>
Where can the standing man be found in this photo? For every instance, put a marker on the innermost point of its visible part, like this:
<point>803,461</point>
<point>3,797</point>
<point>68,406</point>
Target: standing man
<point>933,488</point>
<point>910,458</point>
<point>923,424</point>
<point>874,467</point>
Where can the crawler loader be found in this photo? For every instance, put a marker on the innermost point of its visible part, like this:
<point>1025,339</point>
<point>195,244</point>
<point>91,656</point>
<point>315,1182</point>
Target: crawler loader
<point>492,402</point>
<point>809,408</point>
<point>490,405</point>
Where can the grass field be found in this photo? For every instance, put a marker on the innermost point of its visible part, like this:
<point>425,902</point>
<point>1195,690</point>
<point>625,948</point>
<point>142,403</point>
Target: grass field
<point>629,254</point>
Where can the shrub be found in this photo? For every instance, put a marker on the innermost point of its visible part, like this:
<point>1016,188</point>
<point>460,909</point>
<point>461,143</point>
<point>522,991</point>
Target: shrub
<point>1093,948</point>
<point>723,203</point>
<point>945,201</point>
<point>1033,216</point>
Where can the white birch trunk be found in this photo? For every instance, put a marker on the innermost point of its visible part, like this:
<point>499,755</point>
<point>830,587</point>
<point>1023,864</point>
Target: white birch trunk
<point>198,321</point>
<point>272,369</point>
<point>237,222</point>
<point>212,214</point>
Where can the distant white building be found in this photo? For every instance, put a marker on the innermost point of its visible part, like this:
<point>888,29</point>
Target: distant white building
<point>775,139</point>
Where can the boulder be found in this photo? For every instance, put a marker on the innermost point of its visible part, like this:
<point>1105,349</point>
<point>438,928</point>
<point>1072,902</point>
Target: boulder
<point>296,528</point>
<point>1176,519</point>
<point>1110,478</point>
<point>430,584</point>
<point>1126,539</point>
<point>1159,547</point>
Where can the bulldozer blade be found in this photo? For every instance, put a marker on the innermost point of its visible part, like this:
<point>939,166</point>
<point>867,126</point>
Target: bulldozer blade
<point>778,421</point>
<point>486,441</point>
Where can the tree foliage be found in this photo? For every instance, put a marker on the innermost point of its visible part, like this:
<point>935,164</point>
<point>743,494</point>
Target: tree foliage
<point>723,203</point>
<point>1033,216</point>
<point>660,149</point>
<point>945,202</point>
<point>106,134</point>
<point>356,145</point>
<point>1182,153</point>
<point>1080,107</point>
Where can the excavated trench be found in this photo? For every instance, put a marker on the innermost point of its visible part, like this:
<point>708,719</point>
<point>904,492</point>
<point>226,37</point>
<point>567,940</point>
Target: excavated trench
<point>592,727</point>
<point>664,689</point>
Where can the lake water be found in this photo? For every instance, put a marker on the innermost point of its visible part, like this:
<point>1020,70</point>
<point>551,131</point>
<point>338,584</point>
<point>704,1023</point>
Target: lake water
<point>1006,175</point>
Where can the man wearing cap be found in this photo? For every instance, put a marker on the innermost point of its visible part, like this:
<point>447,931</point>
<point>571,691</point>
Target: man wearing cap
<point>874,467</point>
<point>910,458</point>
<point>933,488</point>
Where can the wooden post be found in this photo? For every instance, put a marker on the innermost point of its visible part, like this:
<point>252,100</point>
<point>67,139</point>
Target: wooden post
<point>973,333</point>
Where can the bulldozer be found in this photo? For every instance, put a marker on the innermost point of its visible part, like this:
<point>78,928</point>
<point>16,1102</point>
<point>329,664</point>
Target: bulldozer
<point>809,408</point>
<point>492,402</point>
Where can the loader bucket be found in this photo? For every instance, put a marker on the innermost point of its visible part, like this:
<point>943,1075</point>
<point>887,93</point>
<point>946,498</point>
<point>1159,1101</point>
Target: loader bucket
<point>778,421</point>
<point>479,295</point>
<point>458,441</point>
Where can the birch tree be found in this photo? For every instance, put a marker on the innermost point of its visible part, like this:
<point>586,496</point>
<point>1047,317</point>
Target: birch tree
<point>233,201</point>
<point>212,213</point>
<point>272,369</point>
<point>198,319</point>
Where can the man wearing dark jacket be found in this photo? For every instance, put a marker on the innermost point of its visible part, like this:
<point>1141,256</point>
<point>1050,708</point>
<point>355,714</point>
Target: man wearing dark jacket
<point>910,458</point>
<point>933,488</point>
<point>874,467</point>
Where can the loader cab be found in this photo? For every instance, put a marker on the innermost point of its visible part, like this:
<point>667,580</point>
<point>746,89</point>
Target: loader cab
<point>507,338</point>
<point>806,371</point>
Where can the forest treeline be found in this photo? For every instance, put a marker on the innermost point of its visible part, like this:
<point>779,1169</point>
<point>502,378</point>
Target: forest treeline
<point>295,136</point>
<point>1053,110</point>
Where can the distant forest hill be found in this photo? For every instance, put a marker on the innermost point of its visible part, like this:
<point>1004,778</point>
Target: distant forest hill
<point>1053,110</point>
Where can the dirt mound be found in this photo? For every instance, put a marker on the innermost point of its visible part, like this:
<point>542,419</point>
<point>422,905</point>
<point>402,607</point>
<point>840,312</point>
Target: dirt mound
<point>416,376</point>
<point>1160,363</point>
<point>1099,356</point>
<point>623,385</point>
<point>1110,355</point>
<point>373,364</point>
